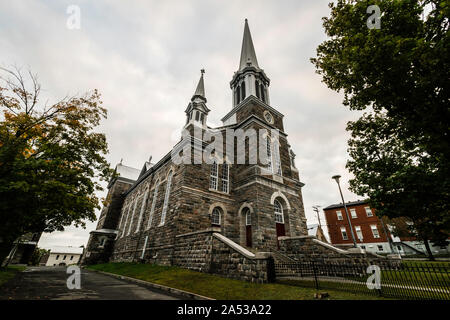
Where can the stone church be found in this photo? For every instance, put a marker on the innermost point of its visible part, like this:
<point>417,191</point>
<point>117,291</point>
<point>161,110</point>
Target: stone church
<point>225,218</point>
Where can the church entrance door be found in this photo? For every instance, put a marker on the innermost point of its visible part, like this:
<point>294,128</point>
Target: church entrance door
<point>248,233</point>
<point>280,232</point>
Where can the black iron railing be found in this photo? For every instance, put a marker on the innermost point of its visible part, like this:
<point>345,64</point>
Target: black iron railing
<point>406,280</point>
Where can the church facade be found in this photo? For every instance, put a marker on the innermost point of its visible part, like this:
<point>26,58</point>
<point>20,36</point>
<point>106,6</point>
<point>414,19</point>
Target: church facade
<point>202,215</point>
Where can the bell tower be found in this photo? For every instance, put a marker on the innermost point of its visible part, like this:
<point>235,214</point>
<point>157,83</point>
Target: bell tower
<point>197,111</point>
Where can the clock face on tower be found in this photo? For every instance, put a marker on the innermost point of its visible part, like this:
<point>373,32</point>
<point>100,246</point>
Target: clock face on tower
<point>268,116</point>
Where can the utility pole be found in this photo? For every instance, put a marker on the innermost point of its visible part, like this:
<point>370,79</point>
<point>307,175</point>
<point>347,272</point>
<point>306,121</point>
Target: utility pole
<point>336,178</point>
<point>316,209</point>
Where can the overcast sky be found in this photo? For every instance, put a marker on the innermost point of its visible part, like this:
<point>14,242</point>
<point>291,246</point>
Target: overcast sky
<point>145,58</point>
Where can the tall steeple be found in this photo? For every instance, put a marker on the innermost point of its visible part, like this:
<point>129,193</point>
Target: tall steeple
<point>200,91</point>
<point>248,55</point>
<point>250,79</point>
<point>197,111</point>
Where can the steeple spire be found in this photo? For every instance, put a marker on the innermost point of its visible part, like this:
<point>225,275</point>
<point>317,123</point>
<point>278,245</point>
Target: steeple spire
<point>200,91</point>
<point>250,79</point>
<point>197,111</point>
<point>248,55</point>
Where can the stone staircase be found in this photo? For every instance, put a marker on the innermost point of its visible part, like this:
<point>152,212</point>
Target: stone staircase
<point>281,258</point>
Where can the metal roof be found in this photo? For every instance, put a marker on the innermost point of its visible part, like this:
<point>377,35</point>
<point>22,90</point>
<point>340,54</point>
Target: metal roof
<point>127,172</point>
<point>350,203</point>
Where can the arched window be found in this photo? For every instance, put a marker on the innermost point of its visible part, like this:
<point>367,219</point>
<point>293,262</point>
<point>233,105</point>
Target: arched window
<point>216,217</point>
<point>202,117</point>
<point>248,217</point>
<point>225,177</point>
<point>243,90</point>
<point>144,202</point>
<point>269,153</point>
<point>257,88</point>
<point>213,176</point>
<point>277,159</point>
<point>278,210</point>
<point>263,97</point>
<point>166,199</point>
<point>132,216</point>
<point>197,114</point>
<point>238,90</point>
<point>152,210</point>
<point>124,210</point>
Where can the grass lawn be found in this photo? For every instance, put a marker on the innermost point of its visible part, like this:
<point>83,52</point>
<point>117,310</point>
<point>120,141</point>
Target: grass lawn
<point>218,287</point>
<point>8,273</point>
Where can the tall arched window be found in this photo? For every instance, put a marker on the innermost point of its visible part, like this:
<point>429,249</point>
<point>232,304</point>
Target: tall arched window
<point>166,199</point>
<point>248,217</point>
<point>216,217</point>
<point>202,118</point>
<point>269,154</point>
<point>278,210</point>
<point>277,158</point>
<point>257,89</point>
<point>132,216</point>
<point>263,97</point>
<point>238,90</point>
<point>243,90</point>
<point>152,210</point>
<point>144,202</point>
<point>197,114</point>
<point>225,177</point>
<point>213,176</point>
<point>123,218</point>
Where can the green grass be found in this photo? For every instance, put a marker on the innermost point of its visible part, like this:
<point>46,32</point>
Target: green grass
<point>218,287</point>
<point>8,273</point>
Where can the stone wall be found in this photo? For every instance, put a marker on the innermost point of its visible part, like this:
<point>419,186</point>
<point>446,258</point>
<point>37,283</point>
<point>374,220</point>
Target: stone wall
<point>309,248</point>
<point>233,263</point>
<point>209,251</point>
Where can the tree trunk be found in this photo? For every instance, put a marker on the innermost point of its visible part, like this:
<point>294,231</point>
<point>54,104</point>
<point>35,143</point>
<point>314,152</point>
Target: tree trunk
<point>430,254</point>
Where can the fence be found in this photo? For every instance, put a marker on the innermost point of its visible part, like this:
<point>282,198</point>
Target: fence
<point>407,280</point>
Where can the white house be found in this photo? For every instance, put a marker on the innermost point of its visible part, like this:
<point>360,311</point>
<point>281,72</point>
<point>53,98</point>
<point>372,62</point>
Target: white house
<point>64,256</point>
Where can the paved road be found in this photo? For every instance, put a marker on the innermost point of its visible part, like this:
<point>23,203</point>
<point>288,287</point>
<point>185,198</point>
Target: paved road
<point>49,283</point>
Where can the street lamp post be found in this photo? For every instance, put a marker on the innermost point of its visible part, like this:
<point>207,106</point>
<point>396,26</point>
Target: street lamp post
<point>336,177</point>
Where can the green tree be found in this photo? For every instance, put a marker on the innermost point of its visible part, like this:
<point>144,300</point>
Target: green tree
<point>37,255</point>
<point>51,159</point>
<point>398,74</point>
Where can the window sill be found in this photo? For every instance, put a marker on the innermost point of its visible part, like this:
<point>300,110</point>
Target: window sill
<point>220,192</point>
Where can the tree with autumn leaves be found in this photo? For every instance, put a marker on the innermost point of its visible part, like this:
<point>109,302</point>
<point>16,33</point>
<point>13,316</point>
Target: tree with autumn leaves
<point>51,158</point>
<point>399,75</point>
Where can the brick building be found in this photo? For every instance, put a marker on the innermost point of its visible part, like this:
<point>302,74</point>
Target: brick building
<point>369,232</point>
<point>219,214</point>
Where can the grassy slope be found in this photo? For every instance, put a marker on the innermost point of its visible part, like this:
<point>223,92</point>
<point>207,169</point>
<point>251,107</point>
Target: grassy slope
<point>215,286</point>
<point>8,273</point>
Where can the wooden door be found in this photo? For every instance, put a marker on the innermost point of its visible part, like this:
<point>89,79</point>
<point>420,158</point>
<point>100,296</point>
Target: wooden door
<point>280,232</point>
<point>248,231</point>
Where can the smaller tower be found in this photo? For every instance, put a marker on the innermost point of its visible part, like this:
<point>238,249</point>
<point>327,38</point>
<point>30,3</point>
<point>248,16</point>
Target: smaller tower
<point>250,79</point>
<point>197,111</point>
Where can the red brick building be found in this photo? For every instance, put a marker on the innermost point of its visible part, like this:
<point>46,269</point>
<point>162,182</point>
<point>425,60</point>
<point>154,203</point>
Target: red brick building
<point>367,228</point>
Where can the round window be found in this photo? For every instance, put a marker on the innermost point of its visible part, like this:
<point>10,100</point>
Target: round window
<point>268,116</point>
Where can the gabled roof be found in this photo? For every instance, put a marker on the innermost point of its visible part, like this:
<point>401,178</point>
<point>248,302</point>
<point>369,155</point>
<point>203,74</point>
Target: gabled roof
<point>147,165</point>
<point>312,229</point>
<point>66,250</point>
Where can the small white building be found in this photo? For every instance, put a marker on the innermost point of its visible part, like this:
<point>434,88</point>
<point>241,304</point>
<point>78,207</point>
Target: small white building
<point>64,256</point>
